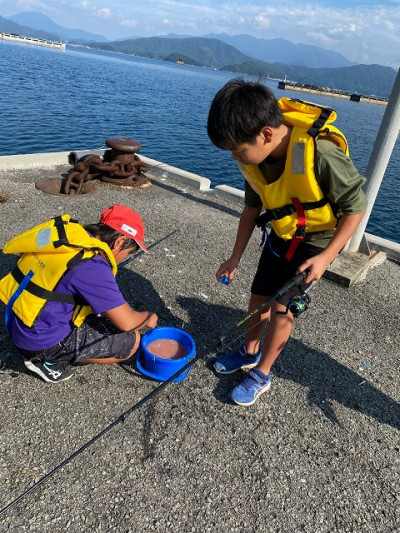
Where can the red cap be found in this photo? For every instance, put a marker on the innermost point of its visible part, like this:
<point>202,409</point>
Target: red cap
<point>126,221</point>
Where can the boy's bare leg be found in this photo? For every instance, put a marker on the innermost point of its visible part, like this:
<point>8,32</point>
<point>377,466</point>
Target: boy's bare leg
<point>276,336</point>
<point>256,325</point>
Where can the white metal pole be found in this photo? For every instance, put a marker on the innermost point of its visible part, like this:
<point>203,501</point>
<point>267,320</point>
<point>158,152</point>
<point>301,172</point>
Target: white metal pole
<point>379,159</point>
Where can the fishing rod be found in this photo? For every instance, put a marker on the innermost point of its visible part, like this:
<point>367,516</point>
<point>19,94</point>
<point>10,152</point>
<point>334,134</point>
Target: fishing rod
<point>291,284</point>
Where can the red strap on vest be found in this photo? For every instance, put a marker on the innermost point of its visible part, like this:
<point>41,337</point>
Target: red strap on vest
<point>300,231</point>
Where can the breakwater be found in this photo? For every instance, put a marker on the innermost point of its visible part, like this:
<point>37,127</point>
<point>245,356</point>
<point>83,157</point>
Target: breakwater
<point>326,91</point>
<point>31,40</point>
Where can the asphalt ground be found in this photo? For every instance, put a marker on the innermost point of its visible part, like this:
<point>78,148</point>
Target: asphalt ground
<point>319,452</point>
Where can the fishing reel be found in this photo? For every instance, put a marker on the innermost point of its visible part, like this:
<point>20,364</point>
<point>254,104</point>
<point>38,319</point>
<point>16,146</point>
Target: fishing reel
<point>298,304</point>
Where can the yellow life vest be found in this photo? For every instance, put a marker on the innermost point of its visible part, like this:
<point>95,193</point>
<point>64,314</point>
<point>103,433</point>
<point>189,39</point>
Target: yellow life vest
<point>48,250</point>
<point>296,197</point>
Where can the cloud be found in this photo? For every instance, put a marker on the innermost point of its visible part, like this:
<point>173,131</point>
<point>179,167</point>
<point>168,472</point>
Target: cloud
<point>321,38</point>
<point>128,23</point>
<point>261,21</point>
<point>344,31</point>
<point>104,13</point>
<point>30,5</point>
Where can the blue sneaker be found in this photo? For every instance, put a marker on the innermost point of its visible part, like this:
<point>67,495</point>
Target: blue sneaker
<point>231,362</point>
<point>253,385</point>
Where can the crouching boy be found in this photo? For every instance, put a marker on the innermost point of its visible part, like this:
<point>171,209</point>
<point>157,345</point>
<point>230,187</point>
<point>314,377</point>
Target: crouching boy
<point>63,303</point>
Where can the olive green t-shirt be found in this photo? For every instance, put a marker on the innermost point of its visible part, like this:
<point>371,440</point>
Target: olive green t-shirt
<point>338,178</point>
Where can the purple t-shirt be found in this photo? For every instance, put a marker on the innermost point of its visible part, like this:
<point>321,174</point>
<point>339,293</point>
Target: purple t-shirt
<point>92,280</point>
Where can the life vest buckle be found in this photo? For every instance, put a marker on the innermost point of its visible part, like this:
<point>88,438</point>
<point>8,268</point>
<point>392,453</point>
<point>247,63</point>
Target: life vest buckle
<point>300,232</point>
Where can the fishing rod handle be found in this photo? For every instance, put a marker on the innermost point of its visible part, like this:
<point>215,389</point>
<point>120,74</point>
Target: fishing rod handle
<point>294,282</point>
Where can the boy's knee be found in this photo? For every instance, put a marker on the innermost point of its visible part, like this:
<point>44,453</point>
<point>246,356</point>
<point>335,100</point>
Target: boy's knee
<point>136,345</point>
<point>134,349</point>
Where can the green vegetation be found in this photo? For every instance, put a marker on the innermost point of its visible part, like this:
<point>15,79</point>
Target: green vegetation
<point>363,79</point>
<point>205,52</point>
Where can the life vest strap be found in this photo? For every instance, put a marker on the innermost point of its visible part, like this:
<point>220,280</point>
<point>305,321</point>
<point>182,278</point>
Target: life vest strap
<point>60,224</point>
<point>300,233</point>
<point>320,122</point>
<point>40,292</point>
<point>24,282</point>
<point>286,210</point>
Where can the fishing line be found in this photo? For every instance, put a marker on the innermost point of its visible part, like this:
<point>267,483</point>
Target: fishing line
<point>140,252</point>
<point>294,282</point>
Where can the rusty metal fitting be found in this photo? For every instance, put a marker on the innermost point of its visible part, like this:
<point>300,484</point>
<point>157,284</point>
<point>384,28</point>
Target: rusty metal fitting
<point>119,165</point>
<point>123,145</point>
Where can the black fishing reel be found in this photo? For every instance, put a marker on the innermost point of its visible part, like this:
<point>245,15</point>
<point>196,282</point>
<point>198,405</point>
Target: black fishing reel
<point>298,304</point>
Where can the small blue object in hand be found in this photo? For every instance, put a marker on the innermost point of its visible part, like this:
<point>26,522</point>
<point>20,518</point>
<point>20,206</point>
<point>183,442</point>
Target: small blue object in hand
<point>224,279</point>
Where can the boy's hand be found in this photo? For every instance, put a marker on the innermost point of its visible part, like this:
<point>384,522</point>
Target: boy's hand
<point>319,263</point>
<point>316,266</point>
<point>152,321</point>
<point>228,269</point>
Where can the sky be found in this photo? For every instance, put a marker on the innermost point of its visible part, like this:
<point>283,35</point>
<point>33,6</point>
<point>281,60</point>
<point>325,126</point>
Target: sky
<point>364,31</point>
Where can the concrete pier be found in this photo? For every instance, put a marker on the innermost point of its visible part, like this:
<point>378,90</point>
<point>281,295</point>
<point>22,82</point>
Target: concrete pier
<point>319,452</point>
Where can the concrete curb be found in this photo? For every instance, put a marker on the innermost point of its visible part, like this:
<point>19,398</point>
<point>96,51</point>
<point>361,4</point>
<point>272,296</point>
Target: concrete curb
<point>168,172</point>
<point>391,248</point>
<point>229,193</point>
<point>45,160</point>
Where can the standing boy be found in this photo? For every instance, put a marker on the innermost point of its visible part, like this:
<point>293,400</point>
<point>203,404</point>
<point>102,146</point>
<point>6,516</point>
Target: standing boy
<point>296,165</point>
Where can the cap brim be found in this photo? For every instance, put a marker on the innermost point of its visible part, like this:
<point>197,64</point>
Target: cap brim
<point>141,245</point>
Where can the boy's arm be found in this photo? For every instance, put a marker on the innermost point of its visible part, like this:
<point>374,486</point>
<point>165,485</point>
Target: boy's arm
<point>342,183</point>
<point>319,263</point>
<point>245,229</point>
<point>126,319</point>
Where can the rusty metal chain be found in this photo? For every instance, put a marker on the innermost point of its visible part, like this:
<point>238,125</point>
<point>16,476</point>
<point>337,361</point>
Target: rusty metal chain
<point>119,166</point>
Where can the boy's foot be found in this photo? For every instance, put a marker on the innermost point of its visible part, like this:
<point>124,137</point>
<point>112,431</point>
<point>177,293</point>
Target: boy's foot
<point>51,372</point>
<point>231,362</point>
<point>253,385</point>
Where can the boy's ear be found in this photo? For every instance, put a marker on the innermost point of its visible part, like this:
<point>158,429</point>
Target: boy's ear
<point>266,133</point>
<point>119,241</point>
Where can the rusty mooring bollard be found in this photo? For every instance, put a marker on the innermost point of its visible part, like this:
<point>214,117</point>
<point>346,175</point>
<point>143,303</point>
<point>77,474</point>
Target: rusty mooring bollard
<point>119,166</point>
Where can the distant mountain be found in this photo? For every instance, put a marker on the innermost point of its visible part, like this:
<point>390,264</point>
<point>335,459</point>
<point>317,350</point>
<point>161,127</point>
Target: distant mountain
<point>368,80</point>
<point>363,79</point>
<point>283,51</point>
<point>197,50</point>
<point>38,21</point>
<point>8,26</point>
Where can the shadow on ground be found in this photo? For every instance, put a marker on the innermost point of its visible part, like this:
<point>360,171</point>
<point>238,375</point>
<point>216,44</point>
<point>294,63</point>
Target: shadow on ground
<point>327,380</point>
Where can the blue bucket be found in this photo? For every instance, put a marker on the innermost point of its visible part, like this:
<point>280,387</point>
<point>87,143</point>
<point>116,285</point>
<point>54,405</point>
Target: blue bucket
<point>160,368</point>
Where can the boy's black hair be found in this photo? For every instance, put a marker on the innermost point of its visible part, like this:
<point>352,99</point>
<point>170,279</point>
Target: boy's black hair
<point>239,111</point>
<point>109,235</point>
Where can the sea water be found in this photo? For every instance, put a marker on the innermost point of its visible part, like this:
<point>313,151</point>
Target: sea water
<point>52,100</point>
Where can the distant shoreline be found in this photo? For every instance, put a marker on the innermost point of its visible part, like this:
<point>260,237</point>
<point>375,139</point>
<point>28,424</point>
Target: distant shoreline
<point>324,91</point>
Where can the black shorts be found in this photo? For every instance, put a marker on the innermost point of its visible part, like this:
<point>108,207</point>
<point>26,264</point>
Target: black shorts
<point>95,338</point>
<point>274,270</point>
